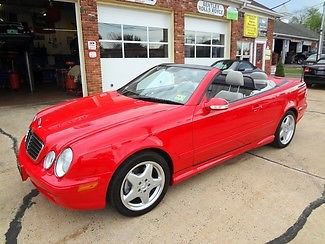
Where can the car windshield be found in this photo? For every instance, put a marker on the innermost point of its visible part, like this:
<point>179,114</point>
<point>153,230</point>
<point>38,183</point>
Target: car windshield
<point>165,84</point>
<point>223,64</point>
<point>321,61</point>
<point>311,58</point>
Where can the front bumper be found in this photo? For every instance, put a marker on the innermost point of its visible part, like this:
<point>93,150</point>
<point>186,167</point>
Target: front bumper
<point>314,79</point>
<point>87,193</point>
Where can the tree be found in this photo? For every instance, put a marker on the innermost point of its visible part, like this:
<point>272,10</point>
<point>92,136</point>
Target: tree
<point>298,19</point>
<point>311,18</point>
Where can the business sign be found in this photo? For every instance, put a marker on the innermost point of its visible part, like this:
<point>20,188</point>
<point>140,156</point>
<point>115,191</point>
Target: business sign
<point>250,26</point>
<point>211,8</point>
<point>262,25</point>
<point>232,13</point>
<point>299,47</point>
<point>149,2</point>
<point>308,43</point>
<point>92,45</point>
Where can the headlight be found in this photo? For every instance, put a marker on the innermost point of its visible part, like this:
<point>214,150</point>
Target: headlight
<point>63,162</point>
<point>48,160</point>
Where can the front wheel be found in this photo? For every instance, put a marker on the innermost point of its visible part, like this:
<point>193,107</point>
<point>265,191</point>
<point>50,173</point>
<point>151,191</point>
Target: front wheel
<point>139,184</point>
<point>285,131</point>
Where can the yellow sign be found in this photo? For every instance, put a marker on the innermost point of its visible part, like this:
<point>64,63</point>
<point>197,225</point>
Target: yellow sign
<point>250,25</point>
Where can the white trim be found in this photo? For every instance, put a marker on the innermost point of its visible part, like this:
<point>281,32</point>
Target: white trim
<point>283,36</point>
<point>264,48</point>
<point>265,11</point>
<point>66,1</point>
<point>81,51</point>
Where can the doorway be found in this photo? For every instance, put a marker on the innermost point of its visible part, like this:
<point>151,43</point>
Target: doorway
<point>39,51</point>
<point>259,54</point>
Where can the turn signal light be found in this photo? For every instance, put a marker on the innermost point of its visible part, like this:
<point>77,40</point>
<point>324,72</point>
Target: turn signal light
<point>87,186</point>
<point>307,70</point>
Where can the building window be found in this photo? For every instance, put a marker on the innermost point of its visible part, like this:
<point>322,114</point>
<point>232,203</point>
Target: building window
<point>244,51</point>
<point>204,45</point>
<point>130,41</point>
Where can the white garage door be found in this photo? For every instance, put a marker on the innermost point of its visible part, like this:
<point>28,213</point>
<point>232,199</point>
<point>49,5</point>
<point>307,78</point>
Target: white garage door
<point>131,41</point>
<point>206,41</point>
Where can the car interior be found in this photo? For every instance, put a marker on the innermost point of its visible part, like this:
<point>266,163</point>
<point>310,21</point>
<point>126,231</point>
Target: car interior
<point>235,86</point>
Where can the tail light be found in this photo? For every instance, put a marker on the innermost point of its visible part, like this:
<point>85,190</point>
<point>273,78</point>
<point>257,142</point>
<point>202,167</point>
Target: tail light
<point>307,70</point>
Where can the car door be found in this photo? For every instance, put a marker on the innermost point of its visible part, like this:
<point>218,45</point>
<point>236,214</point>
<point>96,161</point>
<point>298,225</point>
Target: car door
<point>217,132</point>
<point>267,109</point>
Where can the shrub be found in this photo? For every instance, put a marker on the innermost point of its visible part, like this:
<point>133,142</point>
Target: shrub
<point>280,69</point>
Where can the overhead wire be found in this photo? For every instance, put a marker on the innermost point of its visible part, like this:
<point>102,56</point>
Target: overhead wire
<point>296,12</point>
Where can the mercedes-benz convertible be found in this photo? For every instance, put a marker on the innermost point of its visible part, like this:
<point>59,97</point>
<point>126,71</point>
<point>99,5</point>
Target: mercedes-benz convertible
<point>172,122</point>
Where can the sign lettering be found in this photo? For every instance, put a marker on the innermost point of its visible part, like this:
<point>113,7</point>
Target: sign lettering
<point>211,8</point>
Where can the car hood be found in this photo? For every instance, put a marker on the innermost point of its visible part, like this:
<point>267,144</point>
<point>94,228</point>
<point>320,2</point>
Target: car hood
<point>73,120</point>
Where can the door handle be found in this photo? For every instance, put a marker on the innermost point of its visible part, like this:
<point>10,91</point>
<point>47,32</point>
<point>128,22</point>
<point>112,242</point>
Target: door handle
<point>257,107</point>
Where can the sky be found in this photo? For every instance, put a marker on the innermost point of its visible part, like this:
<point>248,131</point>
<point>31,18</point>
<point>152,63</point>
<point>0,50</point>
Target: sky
<point>294,5</point>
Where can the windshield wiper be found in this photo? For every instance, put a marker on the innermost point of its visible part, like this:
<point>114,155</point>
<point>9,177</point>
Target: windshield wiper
<point>154,99</point>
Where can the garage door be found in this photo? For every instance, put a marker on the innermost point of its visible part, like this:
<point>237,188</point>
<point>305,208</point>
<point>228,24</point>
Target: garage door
<point>131,41</point>
<point>206,41</point>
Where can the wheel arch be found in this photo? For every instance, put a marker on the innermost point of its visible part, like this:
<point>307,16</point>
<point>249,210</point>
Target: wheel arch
<point>294,110</point>
<point>156,150</point>
<point>291,106</point>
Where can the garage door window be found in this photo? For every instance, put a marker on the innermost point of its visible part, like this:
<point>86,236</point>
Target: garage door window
<point>204,45</point>
<point>130,41</point>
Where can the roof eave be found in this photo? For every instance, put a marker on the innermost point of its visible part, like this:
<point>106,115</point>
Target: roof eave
<point>264,11</point>
<point>293,36</point>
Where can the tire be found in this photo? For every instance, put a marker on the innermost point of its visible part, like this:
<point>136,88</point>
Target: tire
<point>309,85</point>
<point>285,131</point>
<point>135,191</point>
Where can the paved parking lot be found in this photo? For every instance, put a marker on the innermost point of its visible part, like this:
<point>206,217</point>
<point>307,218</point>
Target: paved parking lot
<point>267,194</point>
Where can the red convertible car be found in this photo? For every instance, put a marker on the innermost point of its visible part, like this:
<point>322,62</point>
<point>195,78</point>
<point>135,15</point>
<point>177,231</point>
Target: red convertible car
<point>170,123</point>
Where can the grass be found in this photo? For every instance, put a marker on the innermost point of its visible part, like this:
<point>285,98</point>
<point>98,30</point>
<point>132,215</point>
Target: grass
<point>293,71</point>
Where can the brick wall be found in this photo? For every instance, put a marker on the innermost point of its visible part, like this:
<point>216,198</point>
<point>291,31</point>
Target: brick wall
<point>237,32</point>
<point>269,44</point>
<point>89,22</point>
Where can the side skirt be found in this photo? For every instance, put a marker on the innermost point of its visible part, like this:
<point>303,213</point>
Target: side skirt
<point>194,170</point>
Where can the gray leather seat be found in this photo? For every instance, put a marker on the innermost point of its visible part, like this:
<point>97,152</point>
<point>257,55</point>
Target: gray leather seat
<point>262,83</point>
<point>259,76</point>
<point>234,79</point>
<point>260,80</point>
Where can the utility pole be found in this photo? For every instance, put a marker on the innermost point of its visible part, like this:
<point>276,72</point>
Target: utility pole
<point>321,35</point>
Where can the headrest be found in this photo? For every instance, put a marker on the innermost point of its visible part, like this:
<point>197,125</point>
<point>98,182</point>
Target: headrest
<point>259,76</point>
<point>235,78</point>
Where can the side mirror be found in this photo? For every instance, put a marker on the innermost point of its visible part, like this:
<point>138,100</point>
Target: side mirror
<point>216,104</point>
<point>241,69</point>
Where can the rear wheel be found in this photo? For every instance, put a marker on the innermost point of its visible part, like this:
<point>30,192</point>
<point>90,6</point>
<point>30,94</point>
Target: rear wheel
<point>285,131</point>
<point>140,184</point>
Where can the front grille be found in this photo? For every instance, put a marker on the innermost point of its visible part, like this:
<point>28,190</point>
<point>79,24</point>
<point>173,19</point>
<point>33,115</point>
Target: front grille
<point>33,145</point>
